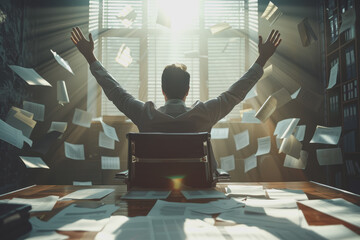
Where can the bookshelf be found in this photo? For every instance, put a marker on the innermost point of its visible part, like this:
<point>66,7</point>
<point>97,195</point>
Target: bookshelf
<point>342,100</point>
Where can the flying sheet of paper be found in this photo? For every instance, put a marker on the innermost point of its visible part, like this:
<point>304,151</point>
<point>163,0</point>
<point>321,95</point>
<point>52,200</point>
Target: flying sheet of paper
<point>250,163</point>
<point>127,16</point>
<point>348,20</point>
<point>29,75</point>
<point>12,135</point>
<point>37,109</point>
<point>271,203</point>
<point>90,193</point>
<point>249,117</point>
<point>110,162</point>
<point>82,118</point>
<point>37,204</point>
<point>297,195</point>
<point>337,208</point>
<point>245,190</point>
<point>242,139</point>
<point>43,144</point>
<point>33,162</point>
<point>109,131</point>
<point>105,141</point>
<point>219,133</point>
<point>267,109</point>
<point>17,119</point>
<point>333,75</point>
<point>291,146</point>
<point>264,146</point>
<point>228,163</point>
<point>62,62</point>
<point>74,151</point>
<point>329,156</point>
<point>286,127</point>
<point>282,97</point>
<point>86,183</point>
<point>252,93</point>
<point>163,18</point>
<point>326,135</point>
<point>307,34</point>
<point>219,27</point>
<point>146,195</point>
<point>278,142</point>
<point>271,13</point>
<point>124,56</point>
<point>295,94</point>
<point>298,163</point>
<point>299,132</point>
<point>201,194</point>
<point>62,95</point>
<point>58,126</point>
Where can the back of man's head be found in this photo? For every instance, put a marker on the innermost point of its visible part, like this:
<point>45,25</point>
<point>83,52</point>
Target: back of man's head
<point>175,81</point>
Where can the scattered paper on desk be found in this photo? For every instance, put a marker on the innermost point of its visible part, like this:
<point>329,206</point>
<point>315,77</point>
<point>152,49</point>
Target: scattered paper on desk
<point>85,183</point>
<point>267,109</point>
<point>252,93</point>
<point>62,95</point>
<point>249,117</point>
<point>245,190</point>
<point>326,135</point>
<point>110,162</point>
<point>74,151</point>
<point>33,162</point>
<point>105,141</point>
<point>286,194</point>
<point>82,118</point>
<point>227,163</point>
<point>242,139</point>
<point>282,97</point>
<point>329,156</point>
<point>218,206</point>
<point>227,203</point>
<point>264,146</point>
<point>201,194</point>
<point>29,75</point>
<point>299,132</point>
<point>62,62</point>
<point>146,195</point>
<point>219,27</point>
<point>109,131</point>
<point>291,146</point>
<point>219,133</point>
<point>271,13</point>
<point>250,163</point>
<point>21,120</point>
<point>37,204</point>
<point>307,34</point>
<point>333,75</point>
<point>43,144</point>
<point>334,232</point>
<point>58,126</point>
<point>127,16</point>
<point>271,203</point>
<point>337,208</point>
<point>12,135</point>
<point>348,19</point>
<point>37,109</point>
<point>90,193</point>
<point>124,56</point>
<point>298,163</point>
<point>295,94</point>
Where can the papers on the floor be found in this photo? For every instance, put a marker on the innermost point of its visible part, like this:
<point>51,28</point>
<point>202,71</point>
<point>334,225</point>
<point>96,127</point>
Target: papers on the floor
<point>82,118</point>
<point>329,156</point>
<point>146,195</point>
<point>271,13</point>
<point>307,34</point>
<point>334,232</point>
<point>291,146</point>
<point>124,56</point>
<point>109,131</point>
<point>333,75</point>
<point>29,75</point>
<point>286,194</point>
<point>21,120</point>
<point>264,146</point>
<point>62,95</point>
<point>105,141</point>
<point>37,204</point>
<point>12,135</point>
<point>250,163</point>
<point>241,139</point>
<point>86,183</point>
<point>299,132</point>
<point>299,163</point>
<point>89,193</point>
<point>337,208</point>
<point>249,117</point>
<point>347,20</point>
<point>219,133</point>
<point>127,16</point>
<point>245,190</point>
<point>200,194</point>
<point>58,126</point>
<point>267,109</point>
<point>33,162</point>
<point>228,163</point>
<point>62,62</point>
<point>45,142</point>
<point>326,135</point>
<point>285,127</point>
<point>110,162</point>
<point>219,27</point>
<point>252,93</point>
<point>271,203</point>
<point>74,151</point>
<point>37,109</point>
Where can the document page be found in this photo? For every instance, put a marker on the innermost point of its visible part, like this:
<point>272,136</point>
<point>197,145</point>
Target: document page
<point>90,193</point>
<point>33,162</point>
<point>61,92</point>
<point>37,204</point>
<point>37,109</point>
<point>298,195</point>
<point>250,163</point>
<point>326,135</point>
<point>82,118</point>
<point>200,194</point>
<point>74,151</point>
<point>249,117</point>
<point>62,62</point>
<point>264,146</point>
<point>146,195</point>
<point>29,75</point>
<point>241,139</point>
<point>105,141</point>
<point>298,163</point>
<point>227,163</point>
<point>110,162</point>
<point>109,131</point>
<point>219,133</point>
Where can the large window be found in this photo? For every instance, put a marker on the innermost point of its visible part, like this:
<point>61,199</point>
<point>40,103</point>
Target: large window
<point>214,61</point>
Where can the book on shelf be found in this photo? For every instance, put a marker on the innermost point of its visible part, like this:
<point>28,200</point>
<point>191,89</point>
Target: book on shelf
<point>334,108</point>
<point>350,90</point>
<point>350,62</point>
<point>350,117</point>
<point>349,142</point>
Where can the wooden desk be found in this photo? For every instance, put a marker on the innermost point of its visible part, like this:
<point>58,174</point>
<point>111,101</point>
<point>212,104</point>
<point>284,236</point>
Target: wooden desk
<point>134,208</point>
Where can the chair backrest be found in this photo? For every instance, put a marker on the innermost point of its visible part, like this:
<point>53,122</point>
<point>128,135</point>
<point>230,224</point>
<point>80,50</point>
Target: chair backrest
<point>155,160</point>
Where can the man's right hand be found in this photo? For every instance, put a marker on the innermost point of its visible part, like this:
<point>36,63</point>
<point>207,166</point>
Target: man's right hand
<point>267,49</point>
<point>84,46</point>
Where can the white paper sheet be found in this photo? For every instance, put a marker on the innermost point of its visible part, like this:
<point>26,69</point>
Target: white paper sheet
<point>245,190</point>
<point>348,20</point>
<point>86,183</point>
<point>271,203</point>
<point>61,93</point>
<point>295,94</point>
<point>291,146</point>
<point>334,232</point>
<point>298,195</point>
<point>264,146</point>
<point>37,204</point>
<point>219,27</point>
<point>124,56</point>
<point>62,62</point>
<point>299,163</point>
<point>250,163</point>
<point>58,126</point>
<point>146,195</point>
<point>21,120</point>
<point>105,141</point>
<point>29,75</point>
<point>12,135</point>
<point>249,117</point>
<point>228,163</point>
<point>89,193</point>
<point>285,128</point>
<point>326,135</point>
<point>33,162</point>
<point>37,109</point>
<point>267,109</point>
<point>241,139</point>
<point>82,118</point>
<point>127,16</point>
<point>299,132</point>
<point>74,151</point>
<point>271,13</point>
<point>219,206</point>
<point>109,131</point>
<point>333,76</point>
<point>282,96</point>
<point>201,194</point>
<point>329,156</point>
<point>219,133</point>
<point>110,162</point>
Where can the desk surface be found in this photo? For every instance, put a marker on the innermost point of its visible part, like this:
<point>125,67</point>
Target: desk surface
<point>134,208</point>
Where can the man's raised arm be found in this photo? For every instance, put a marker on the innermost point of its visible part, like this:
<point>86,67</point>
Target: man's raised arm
<point>84,46</point>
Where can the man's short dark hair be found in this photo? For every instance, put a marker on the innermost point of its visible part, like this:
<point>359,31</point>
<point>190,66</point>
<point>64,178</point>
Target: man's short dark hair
<point>175,81</point>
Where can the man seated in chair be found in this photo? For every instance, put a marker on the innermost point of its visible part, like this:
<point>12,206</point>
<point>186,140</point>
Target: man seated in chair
<point>175,116</point>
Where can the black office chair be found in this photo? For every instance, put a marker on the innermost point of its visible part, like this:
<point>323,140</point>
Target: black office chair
<point>156,160</point>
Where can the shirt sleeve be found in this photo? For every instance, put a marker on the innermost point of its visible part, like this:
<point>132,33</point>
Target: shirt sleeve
<point>219,107</point>
<point>124,101</point>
